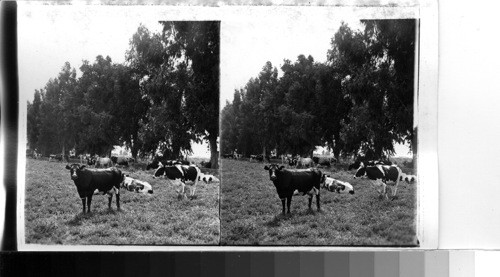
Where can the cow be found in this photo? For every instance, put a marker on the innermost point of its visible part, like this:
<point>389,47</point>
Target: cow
<point>138,186</point>
<point>258,158</point>
<point>338,186</point>
<point>379,175</point>
<point>207,178</point>
<point>357,163</point>
<point>87,181</point>
<point>124,161</point>
<point>290,182</point>
<point>407,178</point>
<point>305,162</point>
<point>103,162</point>
<point>182,173</point>
<point>227,156</point>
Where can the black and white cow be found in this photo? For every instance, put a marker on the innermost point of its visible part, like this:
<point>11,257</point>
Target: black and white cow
<point>357,163</point>
<point>207,178</point>
<point>87,181</point>
<point>408,178</point>
<point>182,173</point>
<point>290,182</point>
<point>138,186</point>
<point>379,176</point>
<point>335,185</point>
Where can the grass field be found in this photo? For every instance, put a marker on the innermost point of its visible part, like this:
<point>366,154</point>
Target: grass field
<point>53,212</point>
<point>251,212</point>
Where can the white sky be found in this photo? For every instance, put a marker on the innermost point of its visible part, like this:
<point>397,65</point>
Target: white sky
<point>50,35</point>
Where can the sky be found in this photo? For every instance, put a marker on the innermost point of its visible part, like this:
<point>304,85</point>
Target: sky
<point>50,35</point>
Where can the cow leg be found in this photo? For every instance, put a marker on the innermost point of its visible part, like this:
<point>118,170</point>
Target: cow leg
<point>317,202</point>
<point>110,198</point>
<point>310,201</point>
<point>289,201</point>
<point>384,190</point>
<point>283,204</point>
<point>84,204</point>
<point>117,191</point>
<point>118,201</point>
<point>89,201</point>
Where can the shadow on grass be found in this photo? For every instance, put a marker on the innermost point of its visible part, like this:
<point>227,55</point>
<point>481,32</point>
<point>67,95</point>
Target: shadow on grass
<point>77,220</point>
<point>277,219</point>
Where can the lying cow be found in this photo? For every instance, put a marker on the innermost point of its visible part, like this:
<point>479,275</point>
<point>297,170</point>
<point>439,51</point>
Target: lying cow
<point>338,186</point>
<point>138,186</point>
<point>379,175</point>
<point>208,178</point>
<point>407,178</point>
<point>358,163</point>
<point>182,173</point>
<point>103,180</point>
<point>290,182</point>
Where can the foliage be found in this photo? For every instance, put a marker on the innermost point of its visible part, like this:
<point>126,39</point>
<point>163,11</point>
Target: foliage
<point>359,101</point>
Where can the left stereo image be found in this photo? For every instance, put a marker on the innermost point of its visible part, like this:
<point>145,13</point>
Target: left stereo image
<point>121,114</point>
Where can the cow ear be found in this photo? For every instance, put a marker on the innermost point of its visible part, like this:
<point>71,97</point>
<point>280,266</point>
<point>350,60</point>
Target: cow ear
<point>281,167</point>
<point>266,167</point>
<point>68,167</point>
<point>82,166</point>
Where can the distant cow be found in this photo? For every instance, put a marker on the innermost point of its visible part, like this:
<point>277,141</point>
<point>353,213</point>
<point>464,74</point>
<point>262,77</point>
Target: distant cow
<point>103,162</point>
<point>379,175</point>
<point>57,157</point>
<point>305,162</point>
<point>124,161</point>
<point>295,182</point>
<point>138,186</point>
<point>182,173</point>
<point>89,180</point>
<point>407,178</point>
<point>338,186</point>
<point>357,163</point>
<point>207,178</point>
<point>227,156</point>
<point>259,157</point>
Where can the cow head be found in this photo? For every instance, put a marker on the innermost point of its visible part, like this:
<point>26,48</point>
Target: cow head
<point>273,169</point>
<point>361,171</point>
<point>74,169</point>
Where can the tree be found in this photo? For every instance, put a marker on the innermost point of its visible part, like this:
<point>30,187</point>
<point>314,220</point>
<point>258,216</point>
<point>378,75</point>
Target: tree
<point>196,46</point>
<point>34,120</point>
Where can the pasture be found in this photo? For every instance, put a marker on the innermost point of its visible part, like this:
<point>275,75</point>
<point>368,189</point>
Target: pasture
<point>53,212</point>
<point>251,212</point>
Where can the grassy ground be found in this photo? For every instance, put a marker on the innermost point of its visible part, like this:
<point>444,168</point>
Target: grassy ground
<point>53,212</point>
<point>251,212</point>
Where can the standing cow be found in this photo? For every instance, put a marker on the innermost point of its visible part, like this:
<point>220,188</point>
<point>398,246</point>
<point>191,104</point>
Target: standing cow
<point>379,176</point>
<point>87,181</point>
<point>182,174</point>
<point>290,182</point>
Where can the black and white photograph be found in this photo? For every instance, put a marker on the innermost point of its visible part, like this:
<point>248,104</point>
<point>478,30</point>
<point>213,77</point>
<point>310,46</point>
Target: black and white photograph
<point>122,126</point>
<point>319,139</point>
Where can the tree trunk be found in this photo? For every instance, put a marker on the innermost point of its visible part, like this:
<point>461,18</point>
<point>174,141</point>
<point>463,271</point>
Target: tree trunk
<point>214,154</point>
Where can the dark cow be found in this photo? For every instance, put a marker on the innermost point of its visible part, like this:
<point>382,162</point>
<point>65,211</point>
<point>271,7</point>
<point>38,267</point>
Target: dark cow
<point>290,182</point>
<point>103,181</point>
<point>227,156</point>
<point>182,173</point>
<point>258,158</point>
<point>57,157</point>
<point>379,175</point>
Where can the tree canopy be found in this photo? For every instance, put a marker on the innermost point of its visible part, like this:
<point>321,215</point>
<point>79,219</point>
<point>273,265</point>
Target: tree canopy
<point>164,97</point>
<point>359,101</point>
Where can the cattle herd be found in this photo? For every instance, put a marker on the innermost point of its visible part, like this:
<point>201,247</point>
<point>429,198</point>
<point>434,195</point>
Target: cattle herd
<point>308,181</point>
<point>105,178</point>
